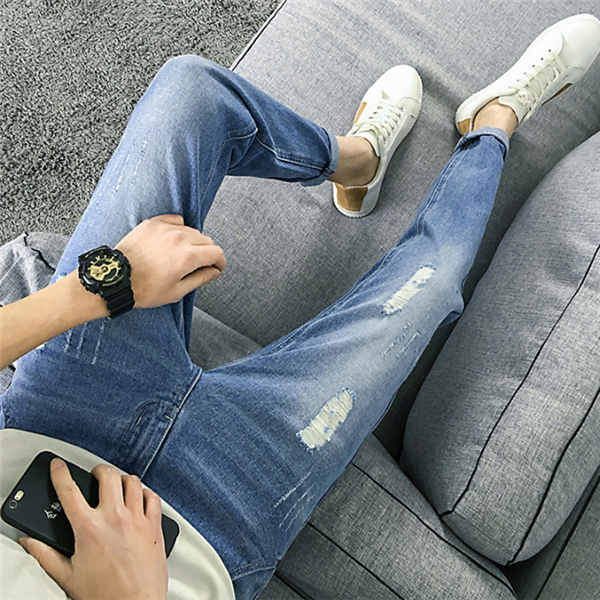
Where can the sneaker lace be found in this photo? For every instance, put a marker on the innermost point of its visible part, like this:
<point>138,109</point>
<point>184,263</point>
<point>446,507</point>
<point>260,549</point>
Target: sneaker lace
<point>382,120</point>
<point>531,86</point>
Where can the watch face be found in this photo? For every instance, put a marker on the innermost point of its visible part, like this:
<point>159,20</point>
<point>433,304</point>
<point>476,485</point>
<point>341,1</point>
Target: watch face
<point>105,268</point>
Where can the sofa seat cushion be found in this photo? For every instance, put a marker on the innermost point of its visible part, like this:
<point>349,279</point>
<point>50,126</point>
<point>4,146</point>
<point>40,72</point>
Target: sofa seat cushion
<point>375,536</point>
<point>290,252</point>
<point>504,436</point>
<point>577,573</point>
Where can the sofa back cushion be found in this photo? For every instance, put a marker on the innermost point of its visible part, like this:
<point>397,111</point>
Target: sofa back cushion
<point>504,435</point>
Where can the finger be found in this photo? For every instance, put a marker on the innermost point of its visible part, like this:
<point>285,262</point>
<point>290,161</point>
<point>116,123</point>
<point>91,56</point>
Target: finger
<point>196,236</point>
<point>198,278</point>
<point>201,239</point>
<point>205,256</point>
<point>69,494</point>
<point>152,505</point>
<point>133,493</point>
<point>59,567</point>
<point>110,487</point>
<point>169,218</point>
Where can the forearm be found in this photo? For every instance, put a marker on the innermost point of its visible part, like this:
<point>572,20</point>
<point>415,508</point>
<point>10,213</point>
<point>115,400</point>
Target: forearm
<point>29,322</point>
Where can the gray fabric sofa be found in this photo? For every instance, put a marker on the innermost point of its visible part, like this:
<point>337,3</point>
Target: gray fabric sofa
<point>482,480</point>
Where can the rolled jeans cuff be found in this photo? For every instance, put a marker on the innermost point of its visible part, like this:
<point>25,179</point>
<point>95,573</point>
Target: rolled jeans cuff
<point>333,163</point>
<point>496,132</point>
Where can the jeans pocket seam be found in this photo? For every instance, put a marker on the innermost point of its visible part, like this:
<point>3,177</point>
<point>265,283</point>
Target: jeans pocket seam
<point>8,421</point>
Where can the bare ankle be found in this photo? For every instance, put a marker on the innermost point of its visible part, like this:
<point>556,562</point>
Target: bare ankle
<point>358,162</point>
<point>497,115</point>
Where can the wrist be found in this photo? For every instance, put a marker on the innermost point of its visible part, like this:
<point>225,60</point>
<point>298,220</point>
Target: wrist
<point>83,303</point>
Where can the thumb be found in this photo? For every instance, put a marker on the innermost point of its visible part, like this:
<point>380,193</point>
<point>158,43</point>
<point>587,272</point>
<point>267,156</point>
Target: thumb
<point>53,562</point>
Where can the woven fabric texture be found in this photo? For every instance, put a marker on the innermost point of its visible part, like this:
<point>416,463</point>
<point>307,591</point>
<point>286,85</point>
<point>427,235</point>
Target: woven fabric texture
<point>504,436</point>
<point>381,539</point>
<point>72,72</point>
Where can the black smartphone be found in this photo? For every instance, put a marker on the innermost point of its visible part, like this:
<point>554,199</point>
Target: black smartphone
<point>33,506</point>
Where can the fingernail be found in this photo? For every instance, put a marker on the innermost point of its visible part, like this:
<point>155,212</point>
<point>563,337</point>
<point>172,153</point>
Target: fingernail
<point>23,541</point>
<point>215,276</point>
<point>57,463</point>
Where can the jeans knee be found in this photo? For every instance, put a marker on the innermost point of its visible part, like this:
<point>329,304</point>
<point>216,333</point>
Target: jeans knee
<point>186,89</point>
<point>188,72</point>
<point>184,63</point>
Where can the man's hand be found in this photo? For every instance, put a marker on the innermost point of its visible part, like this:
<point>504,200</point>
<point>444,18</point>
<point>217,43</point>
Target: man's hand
<point>169,260</point>
<point>119,545</point>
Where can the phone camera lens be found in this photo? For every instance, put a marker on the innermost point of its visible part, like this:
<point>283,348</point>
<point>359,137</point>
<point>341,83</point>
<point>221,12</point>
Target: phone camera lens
<point>12,504</point>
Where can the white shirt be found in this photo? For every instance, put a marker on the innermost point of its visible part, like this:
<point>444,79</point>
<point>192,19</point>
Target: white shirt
<point>195,569</point>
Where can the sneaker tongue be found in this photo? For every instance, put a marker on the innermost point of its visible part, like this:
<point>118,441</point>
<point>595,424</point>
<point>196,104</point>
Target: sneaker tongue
<point>366,131</point>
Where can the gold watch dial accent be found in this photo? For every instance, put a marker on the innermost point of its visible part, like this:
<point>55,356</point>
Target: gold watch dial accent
<point>104,268</point>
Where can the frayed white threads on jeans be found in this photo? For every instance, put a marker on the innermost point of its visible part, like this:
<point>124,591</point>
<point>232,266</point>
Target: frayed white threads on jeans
<point>330,417</point>
<point>399,300</point>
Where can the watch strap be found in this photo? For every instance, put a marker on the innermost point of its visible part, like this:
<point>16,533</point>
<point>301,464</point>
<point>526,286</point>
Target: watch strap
<point>119,302</point>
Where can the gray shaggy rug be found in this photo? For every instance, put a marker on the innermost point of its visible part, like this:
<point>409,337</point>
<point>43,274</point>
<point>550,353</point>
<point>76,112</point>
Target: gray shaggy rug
<point>71,73</point>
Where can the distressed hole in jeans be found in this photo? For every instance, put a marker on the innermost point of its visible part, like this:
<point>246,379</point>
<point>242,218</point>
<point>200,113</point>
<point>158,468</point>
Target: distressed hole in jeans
<point>409,290</point>
<point>321,429</point>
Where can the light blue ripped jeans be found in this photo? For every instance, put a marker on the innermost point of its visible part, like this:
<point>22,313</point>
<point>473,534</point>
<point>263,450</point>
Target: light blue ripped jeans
<point>246,451</point>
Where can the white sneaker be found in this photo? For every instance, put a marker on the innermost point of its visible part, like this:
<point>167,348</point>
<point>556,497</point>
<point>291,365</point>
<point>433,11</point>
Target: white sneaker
<point>555,60</point>
<point>387,113</point>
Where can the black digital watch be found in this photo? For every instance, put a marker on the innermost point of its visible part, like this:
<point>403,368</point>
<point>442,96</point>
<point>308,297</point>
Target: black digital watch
<point>107,272</point>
